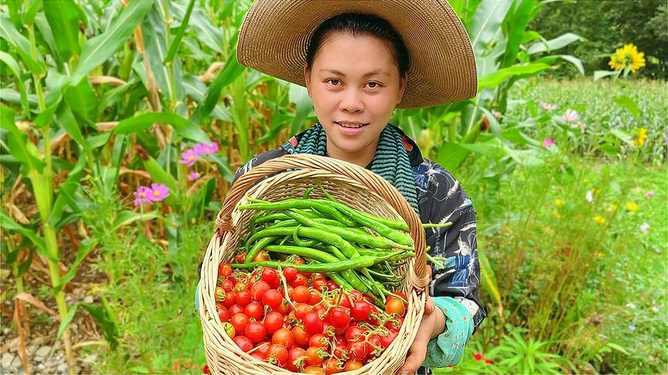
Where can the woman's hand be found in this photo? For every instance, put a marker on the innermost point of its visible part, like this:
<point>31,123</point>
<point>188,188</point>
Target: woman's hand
<point>432,325</point>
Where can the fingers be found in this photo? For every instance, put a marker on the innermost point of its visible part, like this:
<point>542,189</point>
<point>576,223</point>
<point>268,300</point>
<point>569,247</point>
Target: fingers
<point>429,306</point>
<point>418,351</point>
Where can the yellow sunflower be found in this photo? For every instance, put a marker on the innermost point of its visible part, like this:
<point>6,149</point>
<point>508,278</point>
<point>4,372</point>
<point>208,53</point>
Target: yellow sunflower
<point>627,57</point>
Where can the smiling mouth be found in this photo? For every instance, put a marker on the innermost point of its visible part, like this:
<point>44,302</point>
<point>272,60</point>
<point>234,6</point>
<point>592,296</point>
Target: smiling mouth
<point>352,125</point>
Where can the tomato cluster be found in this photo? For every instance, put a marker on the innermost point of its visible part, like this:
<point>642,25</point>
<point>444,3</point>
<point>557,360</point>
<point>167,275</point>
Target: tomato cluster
<point>304,322</point>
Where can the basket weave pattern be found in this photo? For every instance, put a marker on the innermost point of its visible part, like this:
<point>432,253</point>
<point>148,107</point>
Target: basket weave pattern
<point>288,177</point>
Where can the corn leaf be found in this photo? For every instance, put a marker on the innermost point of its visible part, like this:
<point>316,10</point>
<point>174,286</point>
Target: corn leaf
<point>63,17</point>
<point>9,33</point>
<point>19,143</point>
<point>184,127</point>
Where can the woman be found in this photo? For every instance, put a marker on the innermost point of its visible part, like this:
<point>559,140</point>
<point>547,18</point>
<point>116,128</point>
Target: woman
<point>359,60</point>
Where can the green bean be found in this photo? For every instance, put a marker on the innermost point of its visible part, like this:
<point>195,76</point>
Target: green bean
<point>320,205</point>
<point>318,234</point>
<point>336,252</point>
<point>364,238</point>
<point>320,267</point>
<point>257,246</point>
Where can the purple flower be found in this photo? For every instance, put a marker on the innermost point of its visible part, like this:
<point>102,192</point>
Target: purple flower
<point>206,148</point>
<point>142,195</point>
<point>548,142</point>
<point>158,192</point>
<point>193,176</point>
<point>570,116</point>
<point>189,158</point>
<point>548,107</point>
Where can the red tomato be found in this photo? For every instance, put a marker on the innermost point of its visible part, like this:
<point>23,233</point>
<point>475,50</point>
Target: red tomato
<point>270,276</point>
<point>223,314</point>
<point>230,299</point>
<point>315,355</point>
<point>357,350</point>
<point>272,298</point>
<point>243,342</point>
<point>319,341</point>
<point>339,317</point>
<point>207,370</point>
<point>395,323</point>
<point>319,284</point>
<point>243,297</point>
<point>261,256</point>
<point>228,285</point>
<point>273,322</point>
<point>315,298</point>
<point>386,340</point>
<point>235,309</point>
<point>263,348</point>
<point>278,355</point>
<point>352,365</point>
<point>331,285</point>
<point>296,359</point>
<point>312,323</point>
<point>224,269</point>
<point>255,331</point>
<point>374,346</point>
<point>290,273</point>
<point>333,366</point>
<point>357,295</point>
<point>301,309</point>
<point>300,279</point>
<point>283,337</point>
<point>257,355</point>
<point>254,310</point>
<point>258,289</point>
<point>394,305</point>
<point>239,286</point>
<point>301,336</point>
<point>301,294</point>
<point>239,321</point>
<point>354,333</point>
<point>361,311</point>
<point>240,258</point>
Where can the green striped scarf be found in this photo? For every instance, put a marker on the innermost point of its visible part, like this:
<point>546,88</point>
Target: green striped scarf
<point>390,160</point>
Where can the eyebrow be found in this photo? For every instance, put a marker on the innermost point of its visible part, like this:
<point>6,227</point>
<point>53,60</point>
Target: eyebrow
<point>371,73</point>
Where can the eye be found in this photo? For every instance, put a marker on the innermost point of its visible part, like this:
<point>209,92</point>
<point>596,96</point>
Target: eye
<point>333,81</point>
<point>373,85</point>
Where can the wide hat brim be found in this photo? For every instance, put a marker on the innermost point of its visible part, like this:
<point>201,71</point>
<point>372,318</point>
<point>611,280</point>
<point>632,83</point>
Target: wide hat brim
<point>275,34</point>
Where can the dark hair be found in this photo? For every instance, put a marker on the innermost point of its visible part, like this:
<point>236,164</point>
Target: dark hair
<point>360,24</point>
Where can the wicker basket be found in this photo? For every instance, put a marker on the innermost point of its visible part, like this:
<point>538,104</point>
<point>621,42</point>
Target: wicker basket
<point>288,177</point>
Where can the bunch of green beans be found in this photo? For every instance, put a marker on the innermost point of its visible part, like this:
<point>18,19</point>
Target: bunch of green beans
<point>355,249</point>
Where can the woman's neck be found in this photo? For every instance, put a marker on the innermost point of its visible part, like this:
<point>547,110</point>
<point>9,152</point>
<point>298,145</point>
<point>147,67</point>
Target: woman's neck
<point>361,158</point>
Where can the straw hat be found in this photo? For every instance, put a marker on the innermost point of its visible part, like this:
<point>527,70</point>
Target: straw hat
<point>275,34</point>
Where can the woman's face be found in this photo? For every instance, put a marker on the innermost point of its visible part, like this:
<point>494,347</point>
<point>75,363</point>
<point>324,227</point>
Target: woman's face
<point>355,85</point>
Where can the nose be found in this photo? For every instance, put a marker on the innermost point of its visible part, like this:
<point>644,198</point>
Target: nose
<point>351,101</point>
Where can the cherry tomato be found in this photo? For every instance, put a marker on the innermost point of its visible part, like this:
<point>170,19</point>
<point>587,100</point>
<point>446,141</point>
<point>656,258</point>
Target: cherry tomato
<point>290,273</point>
<point>313,370</point>
<point>301,309</point>
<point>239,321</point>
<point>319,284</point>
<point>386,340</point>
<point>301,294</point>
<point>207,370</point>
<point>263,348</point>
<point>300,279</point>
<point>357,350</point>
<point>354,333</point>
<point>235,309</point>
<point>240,285</point>
<point>296,359</point>
<point>319,341</point>
<point>223,314</point>
<point>283,337</point>
<point>228,285</point>
<point>394,305</point>
<point>255,331</point>
<point>224,269</point>
<point>254,311</point>
<point>312,323</point>
<point>315,298</point>
<point>352,365</point>
<point>301,336</point>
<point>273,322</point>
<point>314,356</point>
<point>243,342</point>
<point>374,346</point>
<point>395,323</point>
<point>331,285</point>
<point>243,298</point>
<point>257,355</point>
<point>272,298</point>
<point>258,289</point>
<point>261,256</point>
<point>361,311</point>
<point>357,295</point>
<point>278,355</point>
<point>270,276</point>
<point>339,317</point>
<point>229,329</point>
<point>230,299</point>
<point>333,366</point>
<point>240,258</point>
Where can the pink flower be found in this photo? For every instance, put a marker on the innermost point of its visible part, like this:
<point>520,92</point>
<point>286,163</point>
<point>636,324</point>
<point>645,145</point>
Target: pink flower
<point>497,114</point>
<point>649,194</point>
<point>142,195</point>
<point>193,176</point>
<point>158,192</point>
<point>548,142</point>
<point>570,116</point>
<point>548,107</point>
<point>189,158</point>
<point>206,148</point>
<point>478,356</point>
<point>488,361</point>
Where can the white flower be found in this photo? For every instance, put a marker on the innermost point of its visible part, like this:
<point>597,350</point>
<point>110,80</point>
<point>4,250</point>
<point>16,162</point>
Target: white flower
<point>632,327</point>
<point>631,305</point>
<point>497,114</point>
<point>655,309</point>
<point>644,227</point>
<point>589,196</point>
